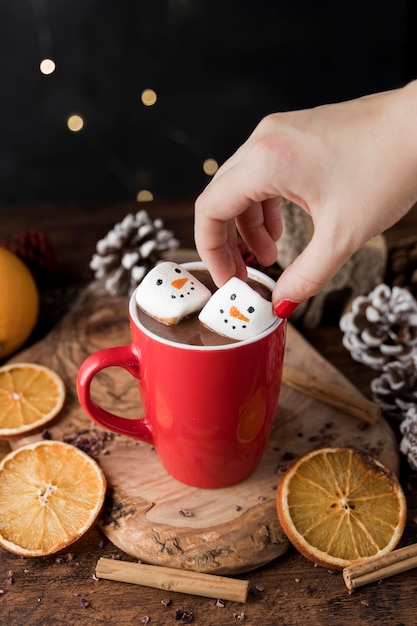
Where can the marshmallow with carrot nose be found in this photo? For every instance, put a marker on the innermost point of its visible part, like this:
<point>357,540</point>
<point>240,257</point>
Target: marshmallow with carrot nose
<point>237,311</point>
<point>169,293</point>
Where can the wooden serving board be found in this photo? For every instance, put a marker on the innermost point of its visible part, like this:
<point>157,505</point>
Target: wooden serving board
<point>150,515</point>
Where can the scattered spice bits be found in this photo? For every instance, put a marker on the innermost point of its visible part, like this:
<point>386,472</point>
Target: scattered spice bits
<point>84,604</point>
<point>92,442</point>
<point>183,616</point>
<point>9,579</point>
<point>185,513</point>
<point>64,558</point>
<point>240,616</point>
<point>238,507</point>
<point>289,456</point>
<point>145,619</point>
<point>220,603</point>
<point>166,601</point>
<point>365,603</point>
<point>262,498</point>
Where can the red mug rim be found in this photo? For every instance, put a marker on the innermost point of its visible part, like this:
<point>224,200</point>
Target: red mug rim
<point>197,265</point>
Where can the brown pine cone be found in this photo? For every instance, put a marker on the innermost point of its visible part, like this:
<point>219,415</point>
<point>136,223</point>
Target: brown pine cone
<point>408,443</point>
<point>402,265</point>
<point>129,251</point>
<point>395,390</point>
<point>381,327</point>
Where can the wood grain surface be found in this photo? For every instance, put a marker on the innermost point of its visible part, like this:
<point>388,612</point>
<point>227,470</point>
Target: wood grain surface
<point>150,515</point>
<point>63,589</point>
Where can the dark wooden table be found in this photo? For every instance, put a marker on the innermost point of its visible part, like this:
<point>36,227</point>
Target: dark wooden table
<point>289,591</point>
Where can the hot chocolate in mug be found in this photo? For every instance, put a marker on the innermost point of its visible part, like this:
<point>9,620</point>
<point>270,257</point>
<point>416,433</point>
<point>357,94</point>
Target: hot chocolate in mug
<point>208,409</point>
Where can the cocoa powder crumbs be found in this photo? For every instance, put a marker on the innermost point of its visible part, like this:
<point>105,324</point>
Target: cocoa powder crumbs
<point>64,558</point>
<point>92,442</point>
<point>185,617</point>
<point>240,616</point>
<point>289,456</point>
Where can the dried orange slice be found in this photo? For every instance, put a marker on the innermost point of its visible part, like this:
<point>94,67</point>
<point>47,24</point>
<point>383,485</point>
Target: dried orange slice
<point>339,506</point>
<point>30,396</point>
<point>51,493</point>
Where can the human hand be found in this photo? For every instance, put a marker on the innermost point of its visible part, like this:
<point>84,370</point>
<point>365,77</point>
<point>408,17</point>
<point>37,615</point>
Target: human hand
<point>352,166</point>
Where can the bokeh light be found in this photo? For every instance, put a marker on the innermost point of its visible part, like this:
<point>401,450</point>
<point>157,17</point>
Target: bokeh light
<point>210,166</point>
<point>47,66</point>
<point>148,97</point>
<point>144,195</point>
<point>75,123</point>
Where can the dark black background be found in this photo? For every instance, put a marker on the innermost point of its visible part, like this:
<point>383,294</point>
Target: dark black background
<point>218,66</point>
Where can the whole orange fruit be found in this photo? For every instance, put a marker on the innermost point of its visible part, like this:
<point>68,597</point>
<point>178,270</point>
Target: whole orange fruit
<point>19,302</point>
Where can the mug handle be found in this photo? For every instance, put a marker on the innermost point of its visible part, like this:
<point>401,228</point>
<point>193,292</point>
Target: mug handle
<point>127,358</point>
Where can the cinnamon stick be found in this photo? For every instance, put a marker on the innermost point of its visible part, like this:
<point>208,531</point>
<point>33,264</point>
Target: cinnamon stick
<point>352,403</point>
<point>377,568</point>
<point>170,579</point>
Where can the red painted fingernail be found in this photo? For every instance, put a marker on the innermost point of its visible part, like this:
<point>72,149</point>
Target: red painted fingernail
<point>284,308</point>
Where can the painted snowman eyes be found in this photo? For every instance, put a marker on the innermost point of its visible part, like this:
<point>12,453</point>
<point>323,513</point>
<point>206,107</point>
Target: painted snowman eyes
<point>160,282</point>
<point>169,292</point>
<point>227,312</point>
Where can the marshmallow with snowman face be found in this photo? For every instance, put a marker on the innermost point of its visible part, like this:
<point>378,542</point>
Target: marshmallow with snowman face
<point>237,311</point>
<point>169,293</point>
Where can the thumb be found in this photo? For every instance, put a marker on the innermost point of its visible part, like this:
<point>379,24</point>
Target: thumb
<point>307,275</point>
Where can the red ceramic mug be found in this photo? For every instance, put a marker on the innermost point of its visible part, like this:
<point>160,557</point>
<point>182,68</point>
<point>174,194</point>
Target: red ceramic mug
<point>208,409</point>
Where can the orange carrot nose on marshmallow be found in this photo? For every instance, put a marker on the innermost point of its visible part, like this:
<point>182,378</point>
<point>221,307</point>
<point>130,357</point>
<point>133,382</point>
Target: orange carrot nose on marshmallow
<point>237,311</point>
<point>179,283</point>
<point>234,312</point>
